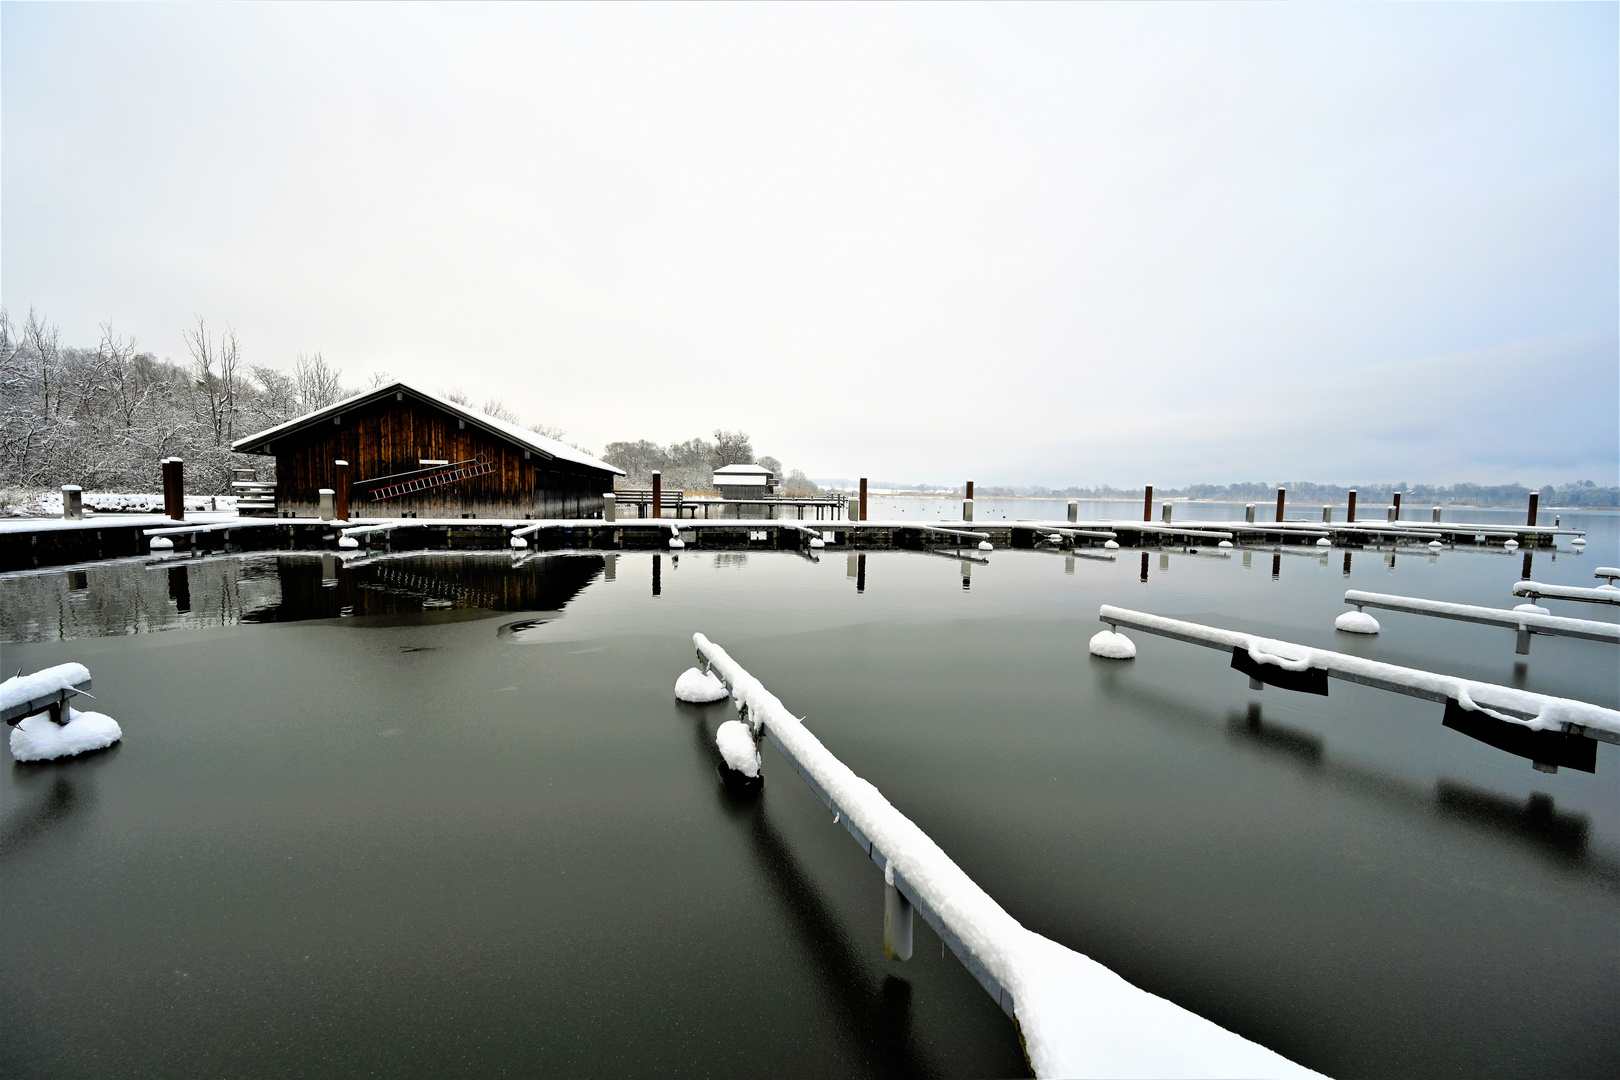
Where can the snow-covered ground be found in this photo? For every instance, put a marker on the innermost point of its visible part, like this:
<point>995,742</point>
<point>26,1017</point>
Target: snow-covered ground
<point>49,503</point>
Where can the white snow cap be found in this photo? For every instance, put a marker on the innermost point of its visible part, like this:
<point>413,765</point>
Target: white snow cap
<point>676,543</point>
<point>817,542</point>
<point>38,738</point>
<point>1323,541</point>
<point>1113,545</point>
<point>1112,646</point>
<point>1356,622</point>
<point>1534,608</point>
<point>1223,543</point>
<point>348,543</point>
<point>1436,545</point>
<point>25,688</point>
<point>985,545</point>
<point>1511,545</point>
<point>736,745</point>
<point>699,687</point>
<point>161,543</point>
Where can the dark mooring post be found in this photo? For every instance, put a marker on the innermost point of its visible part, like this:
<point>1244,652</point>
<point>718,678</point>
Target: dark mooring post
<point>860,573</point>
<point>863,516</point>
<point>1535,497</point>
<point>1350,514</point>
<point>1282,497</point>
<point>340,483</point>
<point>658,572</point>
<point>174,489</point>
<point>1395,507</point>
<point>658,494</point>
<point>1347,564</point>
<point>967,503</point>
<point>1144,565</point>
<point>1147,504</point>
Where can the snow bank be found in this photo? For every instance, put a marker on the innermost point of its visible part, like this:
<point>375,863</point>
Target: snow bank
<point>699,687</point>
<point>1356,622</point>
<point>1077,1018</point>
<point>49,503</point>
<point>52,680</point>
<point>1112,646</point>
<point>736,745</point>
<point>39,739</point>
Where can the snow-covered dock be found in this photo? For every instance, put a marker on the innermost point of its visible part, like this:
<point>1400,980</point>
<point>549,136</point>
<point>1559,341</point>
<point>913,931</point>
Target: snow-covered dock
<point>1077,1018</point>
<point>1535,590</point>
<point>1525,623</point>
<point>1549,730</point>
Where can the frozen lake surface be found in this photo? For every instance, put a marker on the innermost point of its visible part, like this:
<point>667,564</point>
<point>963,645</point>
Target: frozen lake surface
<point>440,815</point>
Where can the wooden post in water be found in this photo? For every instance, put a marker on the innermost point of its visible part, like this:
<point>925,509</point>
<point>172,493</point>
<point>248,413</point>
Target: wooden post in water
<point>1248,514</point>
<point>1535,497</point>
<point>860,573</point>
<point>969,493</point>
<point>340,505</point>
<point>967,503</point>
<point>658,494</point>
<point>1347,564</point>
<point>1437,515</point>
<point>1166,511</point>
<point>1282,496</point>
<point>1147,504</point>
<point>658,572</point>
<point>1327,515</point>
<point>1350,514</point>
<point>1395,507</point>
<point>863,516</point>
<point>1074,510</point>
<point>174,489</point>
<point>1144,566</point>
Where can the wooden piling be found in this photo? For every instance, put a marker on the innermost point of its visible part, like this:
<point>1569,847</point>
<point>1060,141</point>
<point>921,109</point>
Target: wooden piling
<point>1074,510</point>
<point>863,511</point>
<point>340,502</point>
<point>1327,515</point>
<point>1282,497</point>
<point>1535,498</point>
<point>1396,507</point>
<point>1248,514</point>
<point>1350,514</point>
<point>1437,515</point>
<point>1147,504</point>
<point>658,494</point>
<point>1166,511</point>
<point>174,488</point>
<point>969,494</point>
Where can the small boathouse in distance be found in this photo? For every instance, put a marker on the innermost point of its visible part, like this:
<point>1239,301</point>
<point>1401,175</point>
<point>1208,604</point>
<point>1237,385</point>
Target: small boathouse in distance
<point>401,451</point>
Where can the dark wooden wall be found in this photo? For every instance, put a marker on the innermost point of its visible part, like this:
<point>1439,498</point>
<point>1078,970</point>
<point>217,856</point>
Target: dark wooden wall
<point>390,436</point>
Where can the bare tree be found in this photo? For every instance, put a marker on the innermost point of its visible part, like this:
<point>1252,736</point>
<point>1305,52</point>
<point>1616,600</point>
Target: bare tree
<point>495,407</point>
<point>550,431</point>
<point>732,448</point>
<point>318,383</point>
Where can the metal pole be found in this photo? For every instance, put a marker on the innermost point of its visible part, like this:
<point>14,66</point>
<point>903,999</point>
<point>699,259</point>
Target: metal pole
<point>1437,515</point>
<point>967,509</point>
<point>658,494</point>
<point>896,923</point>
<point>1167,512</point>
<point>1147,504</point>
<point>1248,513</point>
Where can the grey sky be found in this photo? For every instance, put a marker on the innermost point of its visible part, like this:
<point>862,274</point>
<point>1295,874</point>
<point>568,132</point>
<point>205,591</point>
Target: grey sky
<point>1028,244</point>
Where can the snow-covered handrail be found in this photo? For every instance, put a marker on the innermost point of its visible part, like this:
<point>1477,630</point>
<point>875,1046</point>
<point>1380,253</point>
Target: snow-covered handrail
<point>1535,622</point>
<point>1077,1018</point>
<point>25,695</point>
<point>1608,573</point>
<point>1535,590</point>
<point>212,526</point>
<point>1063,530</point>
<point>1539,712</point>
<point>951,532</point>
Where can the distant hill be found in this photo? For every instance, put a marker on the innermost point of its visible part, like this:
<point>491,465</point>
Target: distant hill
<point>1585,493</point>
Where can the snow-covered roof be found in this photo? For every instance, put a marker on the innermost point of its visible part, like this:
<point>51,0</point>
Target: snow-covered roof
<point>528,440</point>
<point>742,470</point>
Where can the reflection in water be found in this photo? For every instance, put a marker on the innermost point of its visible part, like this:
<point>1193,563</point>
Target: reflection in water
<point>1347,564</point>
<point>1145,564</point>
<point>658,575</point>
<point>860,573</point>
<point>68,795</point>
<point>326,588</point>
<point>1536,820</point>
<point>180,588</point>
<point>876,1019</point>
<point>1276,567</point>
<point>1299,745</point>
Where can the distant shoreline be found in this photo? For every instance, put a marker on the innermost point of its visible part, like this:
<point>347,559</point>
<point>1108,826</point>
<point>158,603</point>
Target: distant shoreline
<point>1217,502</point>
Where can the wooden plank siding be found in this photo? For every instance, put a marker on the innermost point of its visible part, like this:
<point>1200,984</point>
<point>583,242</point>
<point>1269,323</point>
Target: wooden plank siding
<point>382,438</point>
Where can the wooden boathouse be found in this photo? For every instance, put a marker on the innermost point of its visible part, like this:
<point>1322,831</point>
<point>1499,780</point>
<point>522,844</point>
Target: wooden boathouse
<point>400,451</point>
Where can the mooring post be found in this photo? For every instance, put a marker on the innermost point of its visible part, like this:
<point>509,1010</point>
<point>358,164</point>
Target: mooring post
<point>1147,504</point>
<point>1248,513</point>
<point>1395,507</point>
<point>863,516</point>
<point>1327,515</point>
<point>341,501</point>
<point>610,506</point>
<point>968,494</point>
<point>1166,511</point>
<point>1535,497</point>
<point>967,509</point>
<point>72,502</point>
<point>1282,497</point>
<point>327,508</point>
<point>1437,515</point>
<point>1350,514</point>
<point>658,494</point>
<point>1074,511</point>
<point>174,488</point>
<point>896,923</point>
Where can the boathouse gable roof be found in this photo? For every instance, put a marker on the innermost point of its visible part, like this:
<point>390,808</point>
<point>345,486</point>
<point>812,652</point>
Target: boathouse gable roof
<point>260,443</point>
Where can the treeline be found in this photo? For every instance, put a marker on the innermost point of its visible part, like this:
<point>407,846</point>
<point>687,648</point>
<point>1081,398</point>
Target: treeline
<point>1585,493</point>
<point>690,465</point>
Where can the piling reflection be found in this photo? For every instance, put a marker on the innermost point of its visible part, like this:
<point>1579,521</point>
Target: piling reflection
<point>876,1017</point>
<point>56,794</point>
<point>1253,727</point>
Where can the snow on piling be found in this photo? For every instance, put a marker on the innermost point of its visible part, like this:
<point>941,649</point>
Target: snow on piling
<point>698,687</point>
<point>1111,645</point>
<point>1077,1018</point>
<point>1356,622</point>
<point>736,744</point>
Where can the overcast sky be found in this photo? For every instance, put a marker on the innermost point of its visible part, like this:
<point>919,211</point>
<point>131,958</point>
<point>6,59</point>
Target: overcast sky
<point>1045,244</point>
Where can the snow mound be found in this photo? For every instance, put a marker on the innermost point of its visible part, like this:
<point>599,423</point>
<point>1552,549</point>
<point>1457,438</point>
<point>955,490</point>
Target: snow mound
<point>1579,541</point>
<point>676,543</point>
<point>1110,545</point>
<point>39,739</point>
<point>1435,545</point>
<point>1535,609</point>
<point>1112,646</point>
<point>699,687</point>
<point>348,543</point>
<point>161,543</point>
<point>985,545</point>
<point>817,542</point>
<point>518,543</point>
<point>1512,545</point>
<point>736,745</point>
<point>1223,543</point>
<point>1323,541</point>
<point>1356,622</point>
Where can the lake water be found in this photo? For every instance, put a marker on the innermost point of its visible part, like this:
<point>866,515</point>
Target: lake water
<point>439,815</point>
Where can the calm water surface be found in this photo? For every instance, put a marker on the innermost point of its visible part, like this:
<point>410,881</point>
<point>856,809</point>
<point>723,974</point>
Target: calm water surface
<point>438,815</point>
